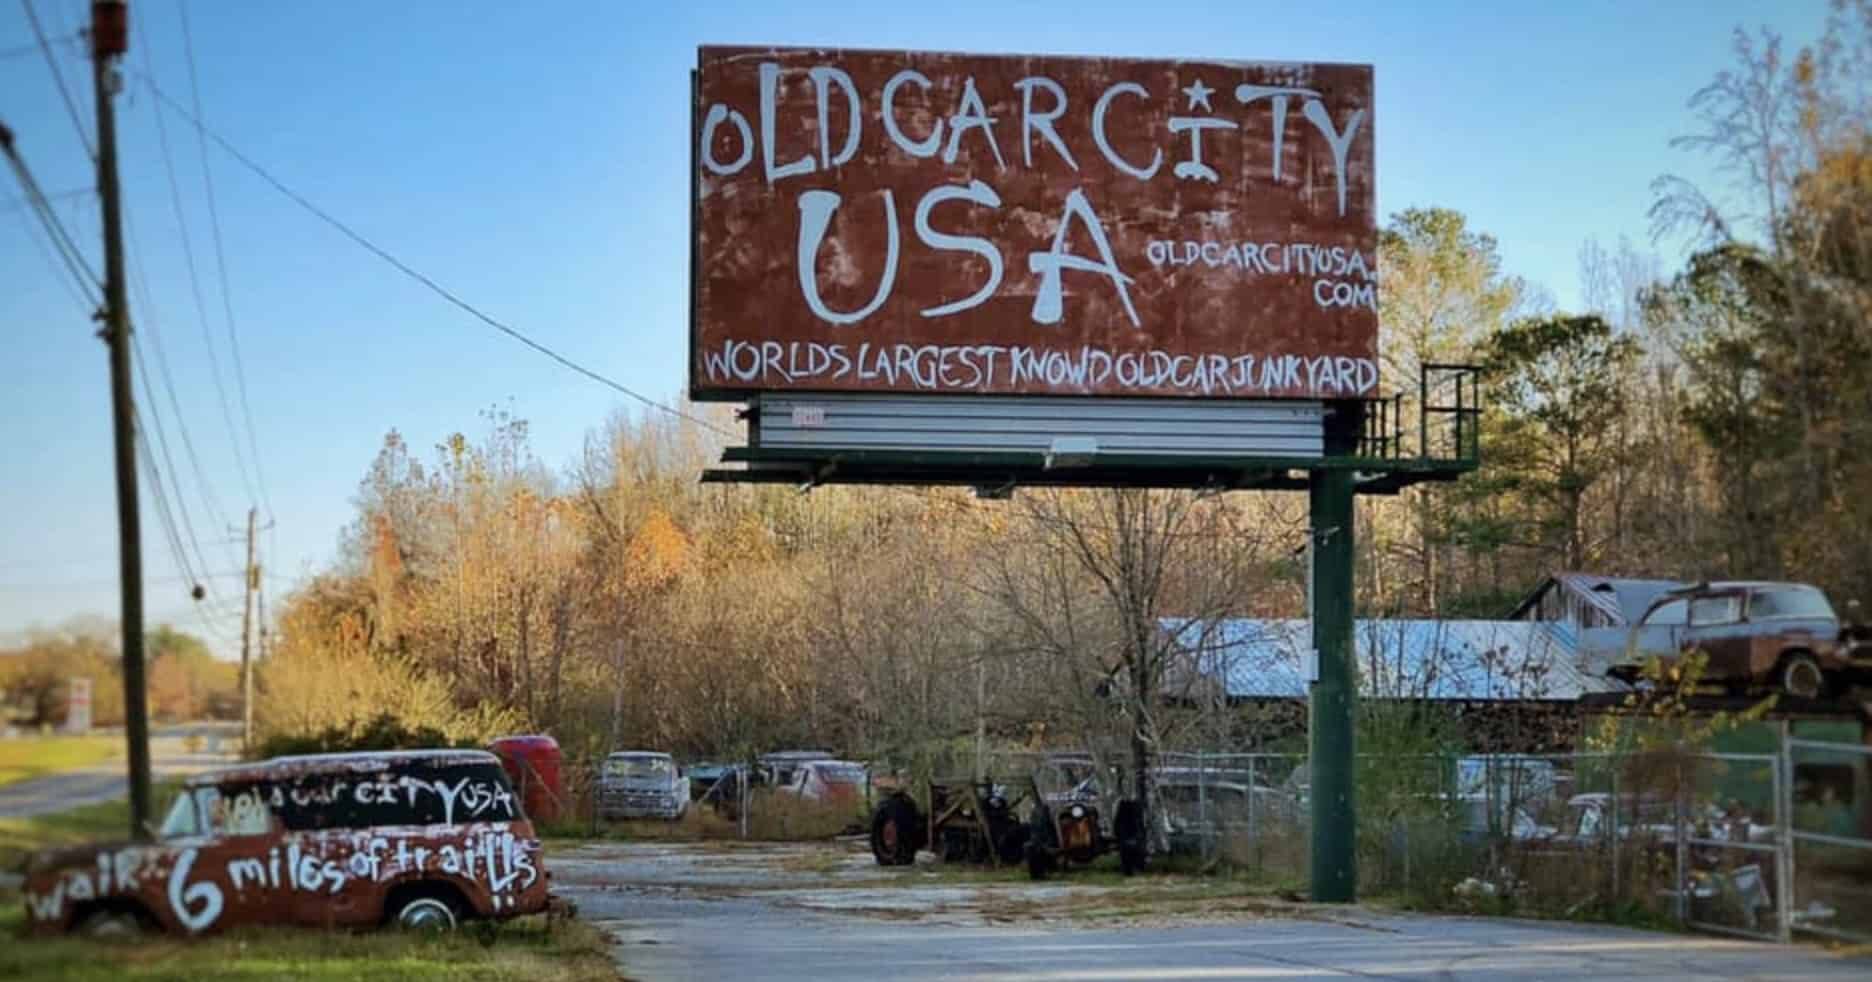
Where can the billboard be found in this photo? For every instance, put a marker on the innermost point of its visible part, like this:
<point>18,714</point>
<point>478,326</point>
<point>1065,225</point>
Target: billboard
<point>78,706</point>
<point>927,223</point>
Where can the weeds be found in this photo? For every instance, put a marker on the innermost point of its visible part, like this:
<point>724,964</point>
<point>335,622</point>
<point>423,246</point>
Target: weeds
<point>529,949</point>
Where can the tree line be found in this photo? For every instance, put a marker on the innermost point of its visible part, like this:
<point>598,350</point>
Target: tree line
<point>186,682</point>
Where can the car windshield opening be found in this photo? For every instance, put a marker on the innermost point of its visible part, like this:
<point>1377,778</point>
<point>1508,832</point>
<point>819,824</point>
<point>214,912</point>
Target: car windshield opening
<point>1769,604</point>
<point>1724,609</point>
<point>638,767</point>
<point>840,773</point>
<point>1669,613</point>
<point>180,822</point>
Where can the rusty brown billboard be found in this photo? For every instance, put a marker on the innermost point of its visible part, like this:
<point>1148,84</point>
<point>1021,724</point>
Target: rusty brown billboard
<point>913,222</point>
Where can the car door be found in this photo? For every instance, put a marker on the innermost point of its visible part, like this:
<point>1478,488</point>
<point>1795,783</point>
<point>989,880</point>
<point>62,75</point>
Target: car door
<point>1660,633</point>
<point>1717,629</point>
<point>222,876</point>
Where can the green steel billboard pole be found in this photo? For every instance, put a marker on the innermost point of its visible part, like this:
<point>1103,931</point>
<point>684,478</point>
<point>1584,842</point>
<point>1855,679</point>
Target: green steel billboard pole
<point>1329,729</point>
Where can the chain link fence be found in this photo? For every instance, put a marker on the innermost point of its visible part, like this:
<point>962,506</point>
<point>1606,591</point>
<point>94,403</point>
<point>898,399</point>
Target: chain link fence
<point>1763,846</point>
<point>1683,837</point>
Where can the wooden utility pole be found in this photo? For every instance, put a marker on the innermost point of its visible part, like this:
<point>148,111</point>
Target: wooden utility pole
<point>250,589</point>
<point>110,38</point>
<point>249,580</point>
<point>260,652</point>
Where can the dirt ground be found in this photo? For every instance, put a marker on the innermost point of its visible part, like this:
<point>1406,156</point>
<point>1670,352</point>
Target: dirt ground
<point>841,877</point>
<point>827,912</point>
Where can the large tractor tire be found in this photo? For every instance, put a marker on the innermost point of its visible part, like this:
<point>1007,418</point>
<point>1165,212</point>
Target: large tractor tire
<point>1133,843</point>
<point>896,831</point>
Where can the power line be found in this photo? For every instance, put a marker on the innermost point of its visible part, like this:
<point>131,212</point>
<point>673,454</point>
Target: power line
<point>153,477</point>
<point>162,439</point>
<point>81,560</point>
<point>71,107</point>
<point>86,287</point>
<point>68,251</point>
<point>87,284</point>
<point>20,204</point>
<point>60,273</point>
<point>141,281</point>
<point>167,520</point>
<point>20,51</point>
<point>406,270</point>
<point>92,584</point>
<point>194,277</point>
<point>201,609</point>
<point>214,222</point>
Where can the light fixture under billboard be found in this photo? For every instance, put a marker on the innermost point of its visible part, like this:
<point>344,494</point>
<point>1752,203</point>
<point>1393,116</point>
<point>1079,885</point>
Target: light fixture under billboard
<point>1068,430</point>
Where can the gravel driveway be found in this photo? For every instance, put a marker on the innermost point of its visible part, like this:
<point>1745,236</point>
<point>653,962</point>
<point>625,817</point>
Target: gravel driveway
<point>825,913</point>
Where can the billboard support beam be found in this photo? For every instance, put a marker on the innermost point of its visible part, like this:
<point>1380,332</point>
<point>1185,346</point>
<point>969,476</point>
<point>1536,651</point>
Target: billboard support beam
<point>1330,697</point>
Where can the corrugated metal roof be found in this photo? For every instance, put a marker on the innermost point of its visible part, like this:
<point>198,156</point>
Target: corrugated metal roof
<point>1401,659</point>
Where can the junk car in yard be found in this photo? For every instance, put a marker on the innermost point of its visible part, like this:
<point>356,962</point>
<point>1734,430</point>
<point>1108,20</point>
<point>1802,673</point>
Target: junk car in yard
<point>780,768</point>
<point>413,838</point>
<point>1198,805</point>
<point>827,781</point>
<point>641,784</point>
<point>703,778</point>
<point>1784,636</point>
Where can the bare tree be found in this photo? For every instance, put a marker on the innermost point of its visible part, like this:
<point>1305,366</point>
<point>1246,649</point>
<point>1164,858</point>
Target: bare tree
<point>1114,590</point>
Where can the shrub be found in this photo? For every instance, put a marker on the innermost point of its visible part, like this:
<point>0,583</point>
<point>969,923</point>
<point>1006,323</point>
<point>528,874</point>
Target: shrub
<point>381,732</point>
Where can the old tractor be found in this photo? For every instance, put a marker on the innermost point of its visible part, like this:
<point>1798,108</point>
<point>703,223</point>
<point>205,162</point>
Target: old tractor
<point>981,822</point>
<point>966,821</point>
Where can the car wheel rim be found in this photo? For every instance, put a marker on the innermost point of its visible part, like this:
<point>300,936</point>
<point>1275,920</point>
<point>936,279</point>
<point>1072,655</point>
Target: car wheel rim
<point>1803,679</point>
<point>427,915</point>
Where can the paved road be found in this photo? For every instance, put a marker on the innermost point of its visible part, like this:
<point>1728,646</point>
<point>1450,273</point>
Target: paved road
<point>91,785</point>
<point>670,927</point>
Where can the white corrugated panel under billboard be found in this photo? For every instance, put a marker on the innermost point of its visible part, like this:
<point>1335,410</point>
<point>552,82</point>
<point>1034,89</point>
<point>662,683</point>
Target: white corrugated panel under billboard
<point>1057,426</point>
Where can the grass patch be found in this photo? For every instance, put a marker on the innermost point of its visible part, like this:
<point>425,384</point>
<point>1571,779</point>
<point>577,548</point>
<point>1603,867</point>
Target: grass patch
<point>35,757</point>
<point>102,822</point>
<point>524,950</point>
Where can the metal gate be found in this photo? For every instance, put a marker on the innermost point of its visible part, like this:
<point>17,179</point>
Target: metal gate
<point>1828,878</point>
<point>1730,864</point>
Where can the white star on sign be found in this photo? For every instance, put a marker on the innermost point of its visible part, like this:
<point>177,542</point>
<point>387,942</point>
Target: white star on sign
<point>1199,93</point>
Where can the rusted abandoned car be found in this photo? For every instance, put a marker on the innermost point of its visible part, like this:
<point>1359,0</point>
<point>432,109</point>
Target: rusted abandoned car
<point>1784,636</point>
<point>828,781</point>
<point>1199,806</point>
<point>781,768</point>
<point>641,784</point>
<point>413,838</point>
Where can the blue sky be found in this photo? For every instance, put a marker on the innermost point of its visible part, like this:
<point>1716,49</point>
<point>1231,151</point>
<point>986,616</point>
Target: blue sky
<point>533,157</point>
